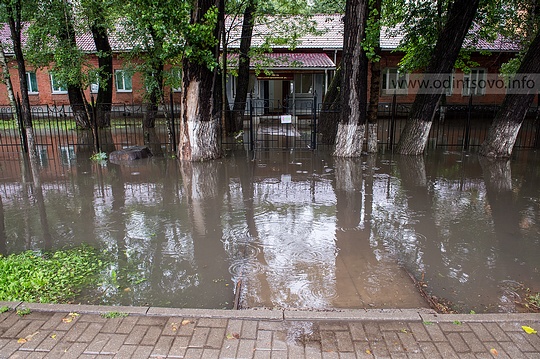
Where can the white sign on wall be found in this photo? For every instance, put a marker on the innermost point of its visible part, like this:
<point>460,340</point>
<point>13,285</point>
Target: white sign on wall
<point>286,119</point>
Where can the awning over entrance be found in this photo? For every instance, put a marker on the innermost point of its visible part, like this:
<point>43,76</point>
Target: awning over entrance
<point>288,61</point>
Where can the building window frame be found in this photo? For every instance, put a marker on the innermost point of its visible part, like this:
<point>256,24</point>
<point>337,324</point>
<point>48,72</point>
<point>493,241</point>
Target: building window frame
<point>475,76</point>
<point>56,87</point>
<point>390,77</point>
<point>32,84</point>
<point>123,81</point>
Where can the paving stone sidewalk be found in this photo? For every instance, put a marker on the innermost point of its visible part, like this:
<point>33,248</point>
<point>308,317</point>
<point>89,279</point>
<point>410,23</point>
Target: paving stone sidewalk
<point>71,331</point>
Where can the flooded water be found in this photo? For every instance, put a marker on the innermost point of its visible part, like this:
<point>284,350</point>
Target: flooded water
<point>287,229</point>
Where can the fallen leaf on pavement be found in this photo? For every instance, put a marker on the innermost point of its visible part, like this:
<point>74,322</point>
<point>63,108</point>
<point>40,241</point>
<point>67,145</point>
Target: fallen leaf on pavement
<point>528,330</point>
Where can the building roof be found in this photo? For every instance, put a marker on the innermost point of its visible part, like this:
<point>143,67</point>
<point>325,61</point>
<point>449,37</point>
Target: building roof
<point>328,35</point>
<point>391,38</point>
<point>284,61</point>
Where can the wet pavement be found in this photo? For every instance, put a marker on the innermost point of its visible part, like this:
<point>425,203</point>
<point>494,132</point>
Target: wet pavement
<point>84,331</point>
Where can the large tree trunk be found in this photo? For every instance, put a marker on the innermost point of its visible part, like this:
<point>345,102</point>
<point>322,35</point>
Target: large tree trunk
<point>373,109</point>
<point>375,88</point>
<point>199,127</point>
<point>6,79</point>
<point>105,63</point>
<point>15,26</point>
<point>505,127</point>
<point>351,128</point>
<point>459,19</point>
<point>242,85</point>
<point>331,110</point>
<point>75,94</point>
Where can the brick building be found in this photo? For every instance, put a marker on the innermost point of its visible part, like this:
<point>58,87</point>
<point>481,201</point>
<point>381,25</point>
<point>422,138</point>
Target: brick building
<point>291,74</point>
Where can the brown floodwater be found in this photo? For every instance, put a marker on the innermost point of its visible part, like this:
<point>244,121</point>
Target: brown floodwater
<point>284,229</point>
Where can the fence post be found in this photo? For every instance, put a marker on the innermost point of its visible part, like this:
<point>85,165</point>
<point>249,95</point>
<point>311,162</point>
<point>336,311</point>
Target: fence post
<point>314,124</point>
<point>172,128</point>
<point>468,126</point>
<point>97,146</point>
<point>22,129</point>
<point>251,138</point>
<point>393,120</point>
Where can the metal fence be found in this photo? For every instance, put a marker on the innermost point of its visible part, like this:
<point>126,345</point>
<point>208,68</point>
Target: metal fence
<point>266,124</point>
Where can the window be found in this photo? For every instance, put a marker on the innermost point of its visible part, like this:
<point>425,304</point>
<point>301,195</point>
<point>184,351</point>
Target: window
<point>474,83</point>
<point>57,86</point>
<point>31,81</point>
<point>303,83</point>
<point>123,81</point>
<point>394,82</point>
<point>176,80</point>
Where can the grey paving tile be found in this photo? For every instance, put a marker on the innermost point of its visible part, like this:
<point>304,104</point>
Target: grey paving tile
<point>215,337</point>
<point>496,331</point>
<point>344,341</point>
<point>473,342</point>
<point>151,336</point>
<point>179,347</point>
<point>357,331</point>
<point>446,350</point>
<point>127,324</point>
<point>195,353</point>
<point>114,343</point>
<point>264,339</point>
<point>162,347</point>
<point>457,342</point>
<point>198,340</point>
<point>125,352</point>
<point>229,348</point>
<point>429,350</point>
<point>142,352</point>
<point>246,347</point>
<point>249,329</point>
<point>136,334</point>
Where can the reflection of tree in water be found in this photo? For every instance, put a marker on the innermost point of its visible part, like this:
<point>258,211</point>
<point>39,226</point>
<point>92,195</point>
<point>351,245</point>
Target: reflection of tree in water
<point>291,261</point>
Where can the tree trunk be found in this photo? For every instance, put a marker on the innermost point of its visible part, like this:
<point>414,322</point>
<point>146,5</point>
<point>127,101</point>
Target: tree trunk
<point>505,127</point>
<point>75,94</point>
<point>242,85</point>
<point>6,79</point>
<point>459,19</point>
<point>351,128</point>
<point>155,96</point>
<point>373,109</point>
<point>105,63</point>
<point>15,27</point>
<point>331,109</point>
<point>200,118</point>
<point>375,88</point>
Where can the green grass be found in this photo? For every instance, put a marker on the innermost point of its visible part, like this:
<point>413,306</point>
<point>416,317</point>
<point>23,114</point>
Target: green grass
<point>114,315</point>
<point>50,277</point>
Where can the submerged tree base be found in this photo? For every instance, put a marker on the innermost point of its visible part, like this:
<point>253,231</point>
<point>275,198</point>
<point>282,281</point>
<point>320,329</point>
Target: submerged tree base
<point>49,277</point>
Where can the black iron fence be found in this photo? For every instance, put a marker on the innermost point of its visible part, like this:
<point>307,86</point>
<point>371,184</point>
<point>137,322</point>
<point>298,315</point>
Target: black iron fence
<point>263,124</point>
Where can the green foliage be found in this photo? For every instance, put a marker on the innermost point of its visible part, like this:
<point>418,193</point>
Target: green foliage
<point>114,315</point>
<point>51,43</point>
<point>534,300</point>
<point>99,156</point>
<point>23,311</point>
<point>4,309</point>
<point>49,277</point>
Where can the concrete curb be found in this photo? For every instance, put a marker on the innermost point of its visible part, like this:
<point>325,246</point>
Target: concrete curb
<point>409,315</point>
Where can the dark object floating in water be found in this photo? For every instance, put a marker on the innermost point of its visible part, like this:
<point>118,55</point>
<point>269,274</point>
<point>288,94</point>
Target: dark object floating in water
<point>130,154</point>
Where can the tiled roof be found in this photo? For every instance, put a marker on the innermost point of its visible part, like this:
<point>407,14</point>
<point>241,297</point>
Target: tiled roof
<point>329,36</point>
<point>85,41</point>
<point>289,61</point>
<point>329,31</point>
